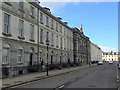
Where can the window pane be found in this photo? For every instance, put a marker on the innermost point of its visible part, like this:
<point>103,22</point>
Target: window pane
<point>21,28</point>
<point>41,35</point>
<point>32,32</point>
<point>21,5</point>
<point>41,17</point>
<point>20,54</point>
<point>6,23</point>
<point>5,55</point>
<point>31,10</point>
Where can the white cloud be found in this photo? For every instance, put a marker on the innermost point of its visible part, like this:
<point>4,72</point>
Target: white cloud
<point>54,6</point>
<point>108,49</point>
<point>78,0</point>
<point>57,5</point>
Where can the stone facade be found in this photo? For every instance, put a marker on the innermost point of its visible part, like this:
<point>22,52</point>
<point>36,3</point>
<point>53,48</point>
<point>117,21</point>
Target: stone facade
<point>23,45</point>
<point>81,47</point>
<point>110,56</point>
<point>96,52</point>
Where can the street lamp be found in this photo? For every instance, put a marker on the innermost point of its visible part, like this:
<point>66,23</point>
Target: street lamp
<point>47,43</point>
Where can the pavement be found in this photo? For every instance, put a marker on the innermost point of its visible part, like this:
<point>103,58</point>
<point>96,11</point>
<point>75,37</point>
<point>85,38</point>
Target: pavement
<point>31,77</point>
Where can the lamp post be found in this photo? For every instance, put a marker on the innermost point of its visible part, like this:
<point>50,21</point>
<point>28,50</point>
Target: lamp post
<point>47,43</point>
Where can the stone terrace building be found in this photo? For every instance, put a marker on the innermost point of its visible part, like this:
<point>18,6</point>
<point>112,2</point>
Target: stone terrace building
<point>108,56</point>
<point>81,47</point>
<point>24,29</point>
<point>96,53</point>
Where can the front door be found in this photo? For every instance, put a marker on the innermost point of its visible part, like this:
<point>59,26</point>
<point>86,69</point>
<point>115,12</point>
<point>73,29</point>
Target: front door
<point>51,59</point>
<point>31,59</point>
<point>60,59</point>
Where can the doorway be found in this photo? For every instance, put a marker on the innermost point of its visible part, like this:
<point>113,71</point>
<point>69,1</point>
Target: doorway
<point>31,59</point>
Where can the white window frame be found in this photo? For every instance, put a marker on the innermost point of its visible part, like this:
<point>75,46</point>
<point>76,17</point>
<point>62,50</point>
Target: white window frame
<point>32,10</point>
<point>61,28</point>
<point>5,58</point>
<point>21,28</point>
<point>41,17</point>
<point>56,26</point>
<point>52,39</point>
<point>57,41</point>
<point>20,54</point>
<point>52,23</point>
<point>47,21</point>
<point>21,5</point>
<point>41,35</point>
<point>47,35</point>
<point>6,23</point>
<point>64,43</point>
<point>61,41</point>
<point>31,32</point>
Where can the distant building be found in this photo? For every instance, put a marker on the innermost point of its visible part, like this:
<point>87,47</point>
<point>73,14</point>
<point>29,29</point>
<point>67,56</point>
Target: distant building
<point>107,56</point>
<point>96,52</point>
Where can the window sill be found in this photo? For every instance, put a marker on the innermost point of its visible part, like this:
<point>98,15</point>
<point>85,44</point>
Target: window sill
<point>21,10</point>
<point>52,28</point>
<point>8,3</point>
<point>32,16</point>
<point>19,63</point>
<point>41,22</point>
<point>32,40</point>
<point>47,26</point>
<point>52,45</point>
<point>21,37</point>
<point>6,34</point>
<point>5,63</point>
<point>41,43</point>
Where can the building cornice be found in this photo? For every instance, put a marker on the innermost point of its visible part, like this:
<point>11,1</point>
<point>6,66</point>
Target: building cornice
<point>49,14</point>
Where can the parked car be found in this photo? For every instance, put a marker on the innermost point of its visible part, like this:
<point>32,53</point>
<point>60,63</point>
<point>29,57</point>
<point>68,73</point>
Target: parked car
<point>118,64</point>
<point>110,62</point>
<point>100,63</point>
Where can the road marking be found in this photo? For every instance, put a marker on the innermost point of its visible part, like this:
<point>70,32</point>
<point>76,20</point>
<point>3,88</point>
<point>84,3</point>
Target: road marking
<point>62,86</point>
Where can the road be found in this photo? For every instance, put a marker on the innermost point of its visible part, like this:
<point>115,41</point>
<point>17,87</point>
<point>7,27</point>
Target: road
<point>99,76</point>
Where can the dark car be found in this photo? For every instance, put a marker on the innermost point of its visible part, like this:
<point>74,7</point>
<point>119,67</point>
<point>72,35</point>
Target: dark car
<point>118,64</point>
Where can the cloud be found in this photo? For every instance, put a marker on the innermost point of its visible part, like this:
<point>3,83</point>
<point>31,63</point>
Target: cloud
<point>78,0</point>
<point>55,7</point>
<point>108,49</point>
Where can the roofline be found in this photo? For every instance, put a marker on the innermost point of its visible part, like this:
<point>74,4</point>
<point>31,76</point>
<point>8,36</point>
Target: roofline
<point>49,14</point>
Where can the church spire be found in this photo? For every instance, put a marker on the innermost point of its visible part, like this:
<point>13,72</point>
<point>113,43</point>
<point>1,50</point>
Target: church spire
<point>81,28</point>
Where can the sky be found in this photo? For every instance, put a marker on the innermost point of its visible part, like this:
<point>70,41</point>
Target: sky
<point>99,19</point>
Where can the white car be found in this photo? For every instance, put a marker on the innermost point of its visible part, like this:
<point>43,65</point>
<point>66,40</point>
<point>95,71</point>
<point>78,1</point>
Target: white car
<point>100,63</point>
<point>110,62</point>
